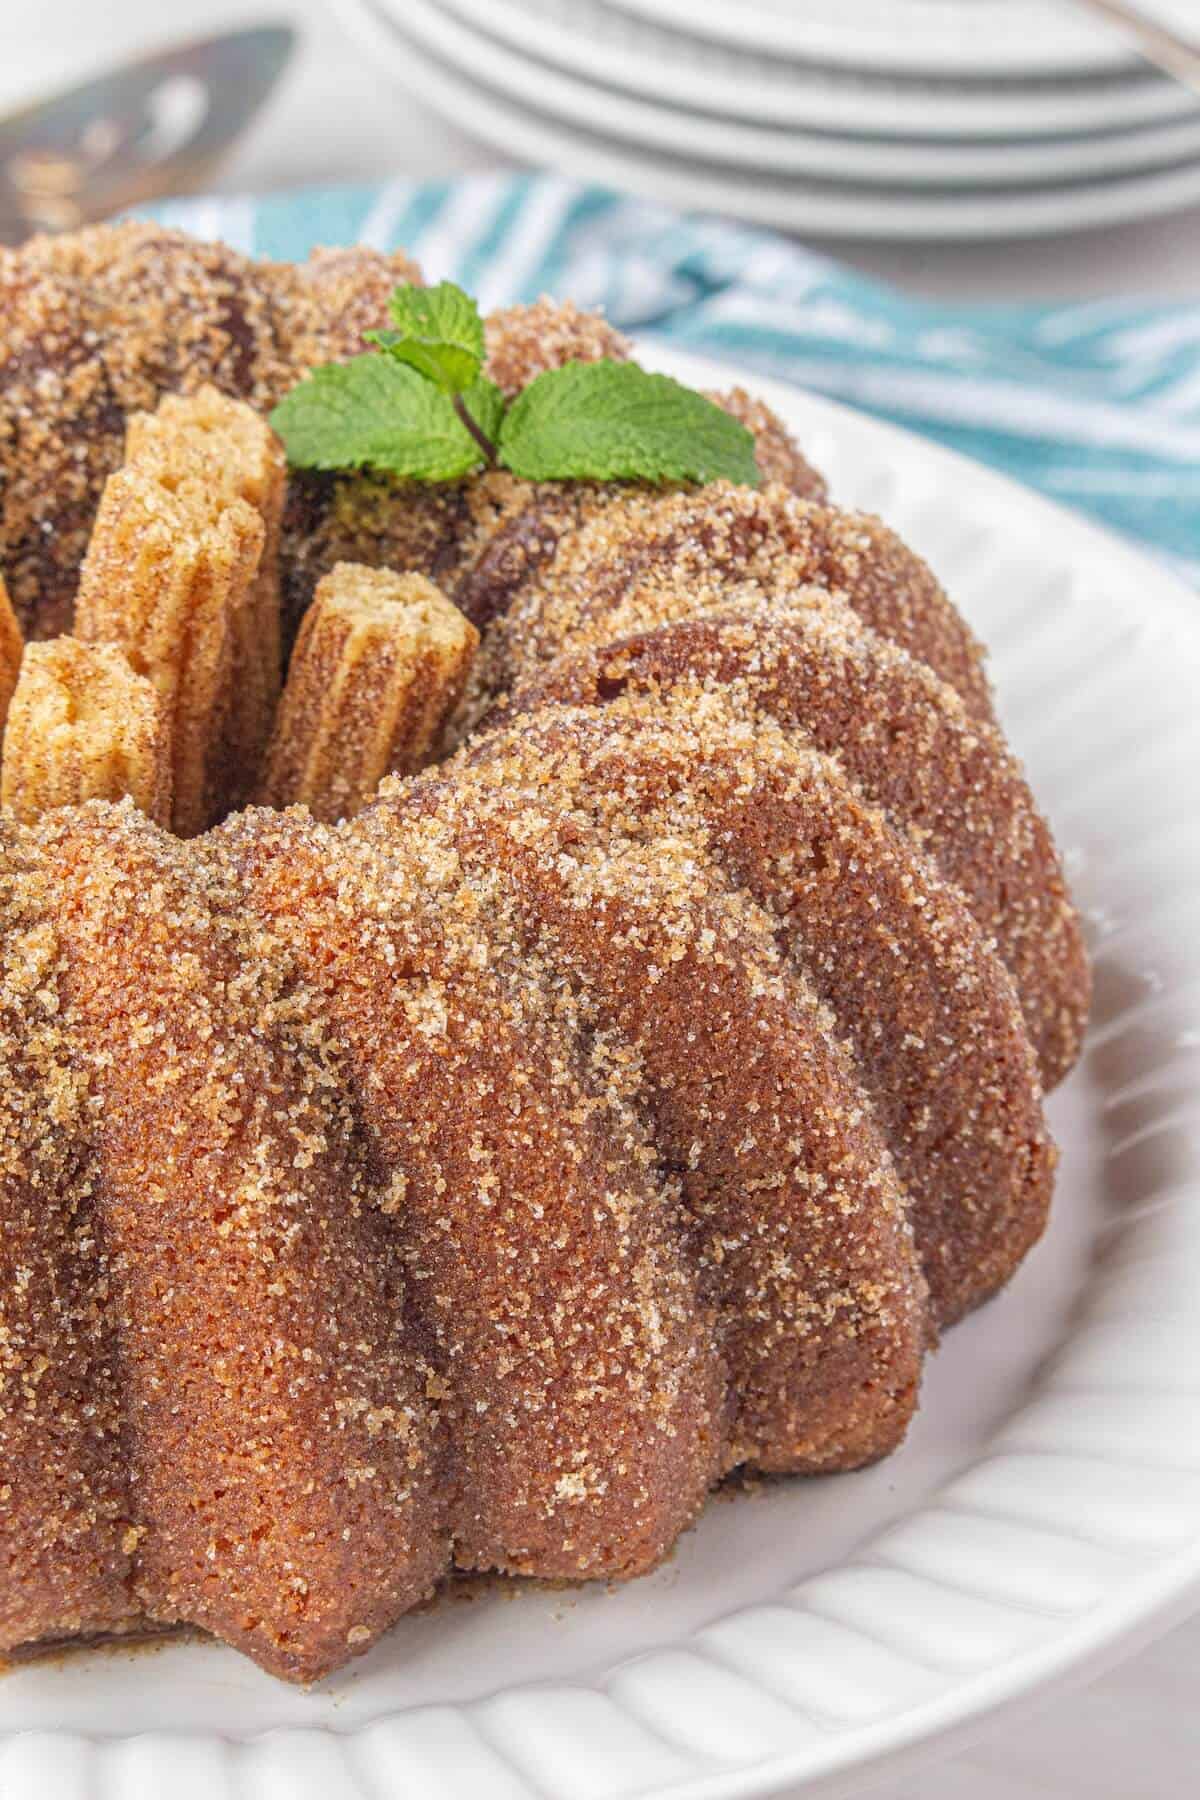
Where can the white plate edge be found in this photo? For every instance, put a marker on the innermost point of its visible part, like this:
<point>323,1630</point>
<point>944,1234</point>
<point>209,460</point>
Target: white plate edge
<point>1064,45</point>
<point>455,30</point>
<point>889,106</point>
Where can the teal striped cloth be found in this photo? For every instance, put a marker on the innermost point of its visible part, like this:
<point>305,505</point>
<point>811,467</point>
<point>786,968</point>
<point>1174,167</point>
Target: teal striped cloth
<point>1097,404</point>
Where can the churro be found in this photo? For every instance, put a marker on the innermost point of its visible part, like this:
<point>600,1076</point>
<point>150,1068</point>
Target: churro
<point>167,572</point>
<point>223,443</point>
<point>83,726</point>
<point>378,667</point>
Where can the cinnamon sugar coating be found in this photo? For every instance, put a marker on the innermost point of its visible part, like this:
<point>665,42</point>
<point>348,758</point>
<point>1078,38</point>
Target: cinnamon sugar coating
<point>101,324</point>
<point>629,1098</point>
<point>64,1500</point>
<point>686,548</point>
<point>936,1035</point>
<point>276,1454</point>
<point>582,1392</point>
<point>792,1209</point>
<point>948,781</point>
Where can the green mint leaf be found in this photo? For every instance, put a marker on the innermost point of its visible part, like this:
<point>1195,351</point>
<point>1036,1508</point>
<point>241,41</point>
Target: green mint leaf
<point>437,331</point>
<point>610,421</point>
<point>375,412</point>
<point>448,367</point>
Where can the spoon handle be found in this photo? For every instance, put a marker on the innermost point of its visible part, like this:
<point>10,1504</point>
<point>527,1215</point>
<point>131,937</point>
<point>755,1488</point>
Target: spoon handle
<point>152,127</point>
<point>1158,43</point>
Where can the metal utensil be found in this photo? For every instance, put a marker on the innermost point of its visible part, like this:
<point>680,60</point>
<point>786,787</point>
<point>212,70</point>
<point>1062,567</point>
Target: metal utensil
<point>1158,43</point>
<point>156,126</point>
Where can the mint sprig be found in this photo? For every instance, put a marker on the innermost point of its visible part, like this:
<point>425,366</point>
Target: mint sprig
<point>420,407</point>
<point>376,413</point>
<point>438,331</point>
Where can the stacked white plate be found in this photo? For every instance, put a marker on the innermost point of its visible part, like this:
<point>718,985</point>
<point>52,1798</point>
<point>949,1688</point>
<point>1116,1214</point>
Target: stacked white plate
<point>946,119</point>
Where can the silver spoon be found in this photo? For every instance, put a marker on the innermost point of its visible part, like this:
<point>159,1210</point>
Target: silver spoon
<point>156,126</point>
<point>1158,43</point>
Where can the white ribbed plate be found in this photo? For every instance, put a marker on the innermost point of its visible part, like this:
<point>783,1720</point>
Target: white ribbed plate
<point>731,81</point>
<point>584,128</point>
<point>976,38</point>
<point>458,33</point>
<point>1044,1515</point>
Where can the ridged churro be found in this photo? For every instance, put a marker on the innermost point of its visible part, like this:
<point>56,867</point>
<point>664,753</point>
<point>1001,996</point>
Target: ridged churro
<point>168,570</point>
<point>83,726</point>
<point>225,444</point>
<point>380,663</point>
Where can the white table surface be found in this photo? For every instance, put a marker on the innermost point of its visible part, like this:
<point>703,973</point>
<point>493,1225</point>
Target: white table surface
<point>1134,1734</point>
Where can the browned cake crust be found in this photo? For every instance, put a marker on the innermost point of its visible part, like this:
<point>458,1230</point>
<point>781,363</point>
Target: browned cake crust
<point>269,1465</point>
<point>946,779</point>
<point>628,1099</point>
<point>583,1392</point>
<point>689,547</point>
<point>930,1016</point>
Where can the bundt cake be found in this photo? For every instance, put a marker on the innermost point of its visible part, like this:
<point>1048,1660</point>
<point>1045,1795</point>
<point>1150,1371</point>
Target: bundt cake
<point>629,1096</point>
